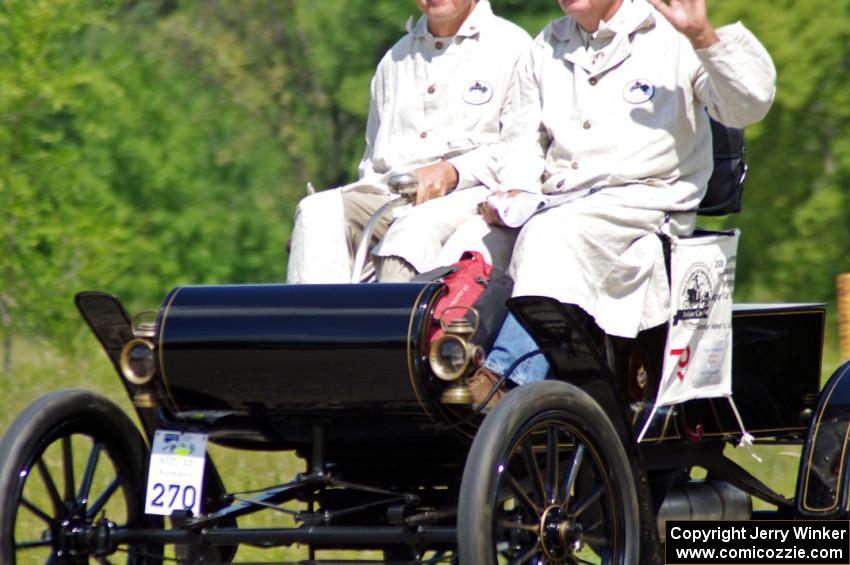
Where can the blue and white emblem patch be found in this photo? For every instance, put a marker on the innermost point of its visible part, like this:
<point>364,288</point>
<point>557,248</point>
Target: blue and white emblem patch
<point>638,91</point>
<point>478,92</point>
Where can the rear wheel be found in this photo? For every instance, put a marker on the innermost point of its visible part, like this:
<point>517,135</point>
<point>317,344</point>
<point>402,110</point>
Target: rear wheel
<point>71,458</point>
<point>547,481</point>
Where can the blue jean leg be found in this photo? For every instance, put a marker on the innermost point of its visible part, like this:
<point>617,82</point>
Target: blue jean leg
<point>511,344</point>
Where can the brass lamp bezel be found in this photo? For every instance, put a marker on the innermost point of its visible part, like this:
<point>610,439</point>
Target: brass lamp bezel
<point>435,363</point>
<point>124,362</point>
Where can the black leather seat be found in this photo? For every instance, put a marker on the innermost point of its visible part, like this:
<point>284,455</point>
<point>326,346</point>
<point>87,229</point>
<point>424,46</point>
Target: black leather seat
<point>726,185</point>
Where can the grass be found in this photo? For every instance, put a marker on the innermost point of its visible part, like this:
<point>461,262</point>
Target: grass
<point>40,369</point>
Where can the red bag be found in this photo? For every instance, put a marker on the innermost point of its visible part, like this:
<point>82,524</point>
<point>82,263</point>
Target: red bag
<point>465,282</point>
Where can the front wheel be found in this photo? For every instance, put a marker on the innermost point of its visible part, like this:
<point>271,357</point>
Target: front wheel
<point>547,480</point>
<point>71,458</point>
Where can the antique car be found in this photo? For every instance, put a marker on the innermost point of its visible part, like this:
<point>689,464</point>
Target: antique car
<point>351,379</point>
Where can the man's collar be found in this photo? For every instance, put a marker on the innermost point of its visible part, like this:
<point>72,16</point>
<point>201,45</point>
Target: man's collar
<point>632,16</point>
<point>469,28</point>
<point>477,20</point>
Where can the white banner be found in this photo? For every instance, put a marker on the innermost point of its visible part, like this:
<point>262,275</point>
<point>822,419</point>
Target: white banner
<point>176,473</point>
<point>698,355</point>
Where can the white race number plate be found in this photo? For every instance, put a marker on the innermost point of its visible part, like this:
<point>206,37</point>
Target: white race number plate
<point>176,473</point>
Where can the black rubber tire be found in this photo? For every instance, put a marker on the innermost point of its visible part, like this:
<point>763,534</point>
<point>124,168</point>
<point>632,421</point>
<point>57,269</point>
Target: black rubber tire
<point>58,417</point>
<point>560,418</point>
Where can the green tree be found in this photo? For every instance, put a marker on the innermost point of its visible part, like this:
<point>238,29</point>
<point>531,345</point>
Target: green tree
<point>796,219</point>
<point>50,201</point>
<point>147,144</point>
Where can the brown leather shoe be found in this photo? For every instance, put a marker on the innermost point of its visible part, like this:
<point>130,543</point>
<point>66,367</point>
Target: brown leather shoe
<point>481,383</point>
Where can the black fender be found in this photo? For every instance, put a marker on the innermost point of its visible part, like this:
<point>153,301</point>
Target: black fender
<point>109,322</point>
<point>572,344</point>
<point>822,483</point>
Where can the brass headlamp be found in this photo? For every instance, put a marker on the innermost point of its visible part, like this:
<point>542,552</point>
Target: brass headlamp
<point>452,355</point>
<point>138,363</point>
<point>138,357</point>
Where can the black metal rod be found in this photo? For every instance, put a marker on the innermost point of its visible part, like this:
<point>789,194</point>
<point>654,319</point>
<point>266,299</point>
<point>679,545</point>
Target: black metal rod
<point>768,515</point>
<point>365,537</point>
<point>274,495</point>
<point>318,459</point>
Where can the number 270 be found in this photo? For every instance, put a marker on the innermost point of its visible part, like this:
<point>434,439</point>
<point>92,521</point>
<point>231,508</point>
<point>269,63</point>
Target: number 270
<point>187,499</point>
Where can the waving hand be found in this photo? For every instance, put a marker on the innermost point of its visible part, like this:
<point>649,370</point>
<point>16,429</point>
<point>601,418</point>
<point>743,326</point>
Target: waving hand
<point>690,18</point>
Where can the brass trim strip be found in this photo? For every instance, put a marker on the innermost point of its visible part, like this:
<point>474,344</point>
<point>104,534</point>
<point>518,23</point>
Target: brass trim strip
<point>410,372</point>
<point>824,406</point>
<point>678,435</point>
<point>762,313</point>
<point>160,347</point>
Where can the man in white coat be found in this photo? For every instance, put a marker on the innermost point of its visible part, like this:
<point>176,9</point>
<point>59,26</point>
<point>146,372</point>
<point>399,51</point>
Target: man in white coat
<point>439,98</point>
<point>623,90</point>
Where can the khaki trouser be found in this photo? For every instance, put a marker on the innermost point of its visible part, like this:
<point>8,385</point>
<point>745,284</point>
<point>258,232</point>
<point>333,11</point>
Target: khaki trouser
<point>358,208</point>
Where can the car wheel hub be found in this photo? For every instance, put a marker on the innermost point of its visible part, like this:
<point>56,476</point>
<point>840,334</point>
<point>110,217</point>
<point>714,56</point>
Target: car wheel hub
<point>559,536</point>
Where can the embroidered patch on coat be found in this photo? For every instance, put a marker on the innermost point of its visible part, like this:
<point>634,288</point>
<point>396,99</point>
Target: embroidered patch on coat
<point>477,93</point>
<point>638,91</point>
<point>695,296</point>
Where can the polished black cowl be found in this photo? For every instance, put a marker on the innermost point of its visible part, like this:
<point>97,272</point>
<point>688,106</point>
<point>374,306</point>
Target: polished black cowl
<point>263,349</point>
<point>335,372</point>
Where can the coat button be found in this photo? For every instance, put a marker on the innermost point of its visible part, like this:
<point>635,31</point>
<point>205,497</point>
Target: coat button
<point>586,124</point>
<point>432,89</point>
<point>592,81</point>
<point>423,135</point>
<point>439,45</point>
<point>574,165</point>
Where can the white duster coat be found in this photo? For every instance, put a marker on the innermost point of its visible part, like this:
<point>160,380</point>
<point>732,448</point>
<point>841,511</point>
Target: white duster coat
<point>626,115</point>
<point>433,99</point>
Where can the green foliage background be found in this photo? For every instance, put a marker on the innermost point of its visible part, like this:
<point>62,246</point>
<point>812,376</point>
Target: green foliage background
<point>150,143</point>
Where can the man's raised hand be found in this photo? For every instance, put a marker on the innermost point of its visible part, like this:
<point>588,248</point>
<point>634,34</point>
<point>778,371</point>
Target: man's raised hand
<point>690,18</point>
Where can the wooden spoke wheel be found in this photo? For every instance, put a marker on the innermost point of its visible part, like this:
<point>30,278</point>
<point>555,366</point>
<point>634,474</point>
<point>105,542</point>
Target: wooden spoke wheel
<point>70,459</point>
<point>547,481</point>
